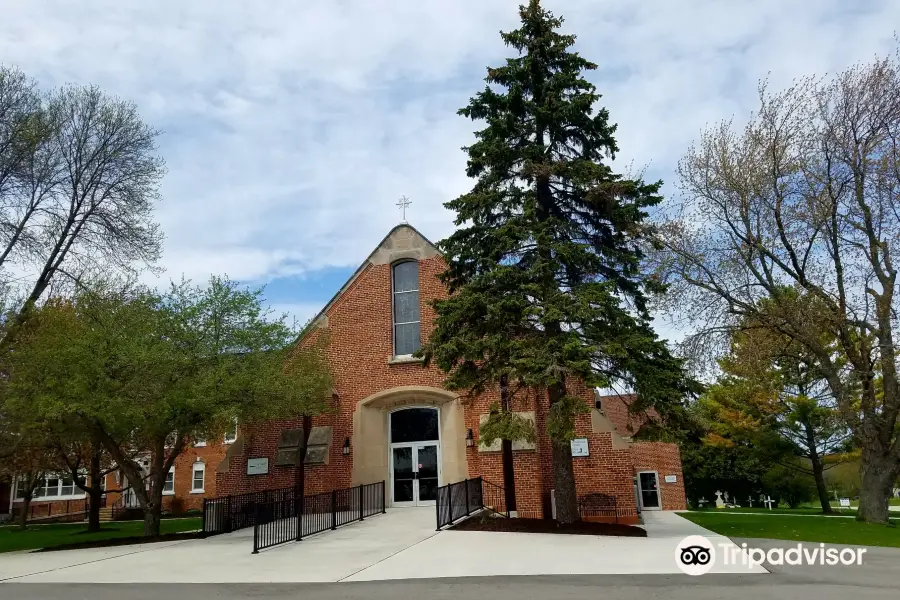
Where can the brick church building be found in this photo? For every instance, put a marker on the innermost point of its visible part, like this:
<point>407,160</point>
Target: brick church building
<point>393,421</point>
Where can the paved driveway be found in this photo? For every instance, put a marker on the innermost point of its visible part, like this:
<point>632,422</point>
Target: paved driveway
<point>401,544</point>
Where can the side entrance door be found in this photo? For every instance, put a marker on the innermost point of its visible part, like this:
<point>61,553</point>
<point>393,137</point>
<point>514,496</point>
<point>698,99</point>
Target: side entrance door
<point>648,481</point>
<point>415,473</point>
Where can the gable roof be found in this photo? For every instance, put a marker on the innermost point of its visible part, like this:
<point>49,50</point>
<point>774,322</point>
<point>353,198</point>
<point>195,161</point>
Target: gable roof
<point>403,241</point>
<point>616,409</point>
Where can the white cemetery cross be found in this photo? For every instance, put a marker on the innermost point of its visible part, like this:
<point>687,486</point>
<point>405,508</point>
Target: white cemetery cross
<point>719,503</point>
<point>725,495</point>
<point>750,501</point>
<point>768,502</point>
<point>702,501</point>
<point>403,204</point>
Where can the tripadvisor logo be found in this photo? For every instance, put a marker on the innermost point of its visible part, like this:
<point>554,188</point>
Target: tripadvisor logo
<point>696,555</point>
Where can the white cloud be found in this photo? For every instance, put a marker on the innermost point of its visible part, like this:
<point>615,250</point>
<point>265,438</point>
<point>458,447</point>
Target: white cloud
<point>292,128</point>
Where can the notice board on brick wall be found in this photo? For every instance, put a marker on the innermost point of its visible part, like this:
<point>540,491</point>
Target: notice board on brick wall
<point>580,447</point>
<point>257,466</point>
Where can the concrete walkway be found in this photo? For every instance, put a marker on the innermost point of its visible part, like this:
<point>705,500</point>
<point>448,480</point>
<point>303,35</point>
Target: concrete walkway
<point>401,544</point>
<point>329,556</point>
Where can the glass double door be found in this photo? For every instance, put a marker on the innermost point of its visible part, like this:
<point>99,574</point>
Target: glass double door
<point>648,482</point>
<point>414,474</point>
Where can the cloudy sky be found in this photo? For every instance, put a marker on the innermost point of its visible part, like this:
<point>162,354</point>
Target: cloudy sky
<point>291,128</point>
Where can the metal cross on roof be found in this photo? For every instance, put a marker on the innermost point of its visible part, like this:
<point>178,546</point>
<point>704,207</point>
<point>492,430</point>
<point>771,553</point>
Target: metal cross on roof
<point>403,203</point>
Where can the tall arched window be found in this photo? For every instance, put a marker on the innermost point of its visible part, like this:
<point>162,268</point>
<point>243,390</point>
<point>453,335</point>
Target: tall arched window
<point>406,308</point>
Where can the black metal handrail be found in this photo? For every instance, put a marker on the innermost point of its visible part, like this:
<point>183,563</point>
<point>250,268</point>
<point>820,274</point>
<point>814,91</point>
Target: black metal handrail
<point>598,505</point>
<point>237,511</point>
<point>275,522</point>
<point>494,498</point>
<point>461,499</point>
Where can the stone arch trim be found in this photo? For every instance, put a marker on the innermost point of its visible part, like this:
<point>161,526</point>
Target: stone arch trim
<point>407,394</point>
<point>371,439</point>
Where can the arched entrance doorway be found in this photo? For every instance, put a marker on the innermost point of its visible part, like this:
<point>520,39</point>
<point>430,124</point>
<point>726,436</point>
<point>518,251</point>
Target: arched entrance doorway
<point>415,455</point>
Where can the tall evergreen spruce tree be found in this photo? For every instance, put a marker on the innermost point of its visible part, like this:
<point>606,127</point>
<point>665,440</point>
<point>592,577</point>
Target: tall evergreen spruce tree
<point>544,270</point>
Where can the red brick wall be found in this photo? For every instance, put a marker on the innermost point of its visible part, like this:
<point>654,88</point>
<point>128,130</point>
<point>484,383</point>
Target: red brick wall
<point>183,499</point>
<point>360,347</point>
<point>262,441</point>
<point>527,464</point>
<point>665,459</point>
<point>604,470</point>
<point>45,508</point>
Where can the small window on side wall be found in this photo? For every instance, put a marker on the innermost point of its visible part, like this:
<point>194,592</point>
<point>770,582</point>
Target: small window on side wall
<point>198,477</point>
<point>405,281</point>
<point>169,485</point>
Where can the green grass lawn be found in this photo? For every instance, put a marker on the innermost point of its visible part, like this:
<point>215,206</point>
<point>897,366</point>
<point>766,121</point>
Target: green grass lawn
<point>47,536</point>
<point>780,511</point>
<point>799,527</point>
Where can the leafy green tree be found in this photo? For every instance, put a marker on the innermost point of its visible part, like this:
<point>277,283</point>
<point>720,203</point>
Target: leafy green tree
<point>790,485</point>
<point>544,270</point>
<point>146,373</point>
<point>27,467</point>
<point>82,457</point>
<point>773,393</point>
<point>734,468</point>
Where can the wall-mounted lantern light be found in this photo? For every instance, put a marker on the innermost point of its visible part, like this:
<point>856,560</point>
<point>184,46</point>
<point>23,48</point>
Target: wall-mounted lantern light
<point>346,446</point>
<point>470,441</point>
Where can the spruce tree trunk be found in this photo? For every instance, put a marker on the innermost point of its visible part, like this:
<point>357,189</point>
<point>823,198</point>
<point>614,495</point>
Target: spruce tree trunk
<point>563,472</point>
<point>564,480</point>
<point>509,471</point>
<point>877,476</point>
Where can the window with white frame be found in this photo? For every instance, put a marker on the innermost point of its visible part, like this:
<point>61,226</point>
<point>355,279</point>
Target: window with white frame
<point>169,485</point>
<point>231,433</point>
<point>406,307</point>
<point>52,487</point>
<point>198,477</point>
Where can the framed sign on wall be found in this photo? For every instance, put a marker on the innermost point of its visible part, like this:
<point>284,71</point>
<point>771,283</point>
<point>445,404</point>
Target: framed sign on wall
<point>580,447</point>
<point>257,466</point>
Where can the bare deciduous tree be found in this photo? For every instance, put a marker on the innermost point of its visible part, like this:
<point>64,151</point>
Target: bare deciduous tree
<point>806,197</point>
<point>79,177</point>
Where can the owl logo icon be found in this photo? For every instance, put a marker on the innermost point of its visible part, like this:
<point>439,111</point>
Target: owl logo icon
<point>695,555</point>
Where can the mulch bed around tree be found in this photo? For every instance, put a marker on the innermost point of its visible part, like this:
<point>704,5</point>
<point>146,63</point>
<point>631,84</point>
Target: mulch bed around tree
<point>167,537</point>
<point>547,526</point>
